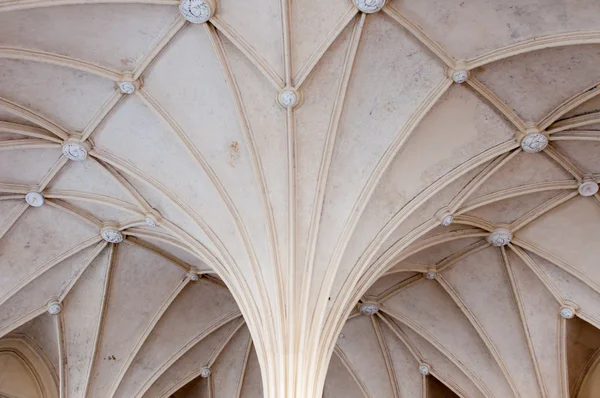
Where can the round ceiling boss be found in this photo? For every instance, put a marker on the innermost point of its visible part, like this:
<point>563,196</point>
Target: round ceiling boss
<point>111,235</point>
<point>127,87</point>
<point>75,150</point>
<point>567,312</point>
<point>369,6</point>
<point>54,307</point>
<point>369,309</point>
<point>534,142</point>
<point>205,372</point>
<point>288,97</point>
<point>588,188</point>
<point>460,76</point>
<point>500,237</point>
<point>444,216</point>
<point>34,199</point>
<point>197,11</point>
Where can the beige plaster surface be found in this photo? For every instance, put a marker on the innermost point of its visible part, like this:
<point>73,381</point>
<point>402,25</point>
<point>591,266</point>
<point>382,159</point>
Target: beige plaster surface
<point>292,218</point>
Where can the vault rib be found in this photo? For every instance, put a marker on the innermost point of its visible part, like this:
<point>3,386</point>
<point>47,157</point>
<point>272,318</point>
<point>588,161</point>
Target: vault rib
<point>357,280</point>
<point>56,168</point>
<point>250,52</point>
<point>102,114</point>
<point>402,337</point>
<point>149,328</point>
<point>537,271</point>
<point>420,35</point>
<point>439,267</point>
<point>87,262</point>
<point>360,205</point>
<point>327,41</point>
<point>58,60</point>
<point>244,368</point>
<point>14,5</point>
<point>287,42</point>
<point>518,242</point>
<point>508,193</point>
<point>288,284</point>
<point>324,170</point>
<point>214,356</point>
<point>43,308</point>
<point>439,346</point>
<point>438,239</point>
<point>534,44</point>
<point>160,46</point>
<point>480,331</point>
<point>216,324</point>
<point>28,143</point>
<point>482,177</point>
<point>205,167</point>
<point>562,355</point>
<point>142,233</point>
<point>134,241</point>
<point>62,355</point>
<point>211,386</point>
<point>385,352</point>
<point>112,255</point>
<point>234,212</point>
<point>249,136</point>
<point>53,262</point>
<point>76,212</point>
<point>92,198</point>
<point>568,105</point>
<point>205,254</point>
<point>10,197</point>
<point>219,348</point>
<point>564,163</point>
<point>516,293</point>
<point>410,267</point>
<point>577,135</point>
<point>28,131</point>
<point>340,354</point>
<point>477,222</point>
<point>34,117</point>
<point>444,378</point>
<point>493,99</point>
<point>382,166</point>
<point>366,257</point>
<point>391,291</point>
<point>542,209</point>
<point>596,199</point>
<point>574,122</point>
<point>18,189</point>
<point>450,261</point>
<point>22,320</point>
<point>123,183</point>
<point>258,172</point>
<point>286,275</point>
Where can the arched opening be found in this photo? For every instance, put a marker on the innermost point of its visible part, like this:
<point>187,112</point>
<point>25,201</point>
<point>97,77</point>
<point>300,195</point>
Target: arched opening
<point>24,370</point>
<point>590,387</point>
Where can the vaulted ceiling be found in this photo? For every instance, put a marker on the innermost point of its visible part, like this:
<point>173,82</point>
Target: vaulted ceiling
<point>195,208</point>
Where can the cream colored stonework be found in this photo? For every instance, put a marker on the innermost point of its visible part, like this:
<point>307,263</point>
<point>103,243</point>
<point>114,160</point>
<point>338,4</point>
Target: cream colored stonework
<point>277,198</point>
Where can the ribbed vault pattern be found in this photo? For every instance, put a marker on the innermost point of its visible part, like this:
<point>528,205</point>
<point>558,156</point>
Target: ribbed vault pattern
<point>290,216</point>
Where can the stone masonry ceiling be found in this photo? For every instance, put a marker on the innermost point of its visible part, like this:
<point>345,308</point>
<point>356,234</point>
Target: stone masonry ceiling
<point>300,198</point>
